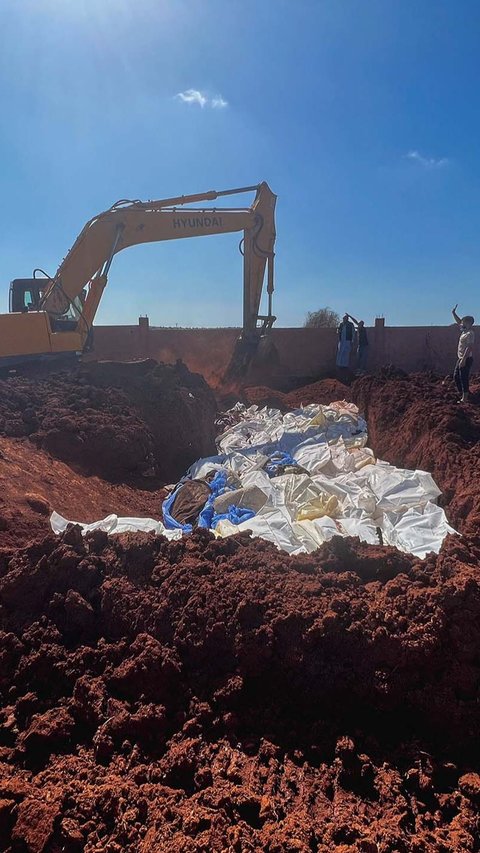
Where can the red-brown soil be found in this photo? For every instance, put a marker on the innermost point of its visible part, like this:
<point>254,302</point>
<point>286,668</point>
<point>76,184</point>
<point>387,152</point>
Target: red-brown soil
<point>114,420</point>
<point>219,695</point>
<point>207,695</point>
<point>32,484</point>
<point>324,391</point>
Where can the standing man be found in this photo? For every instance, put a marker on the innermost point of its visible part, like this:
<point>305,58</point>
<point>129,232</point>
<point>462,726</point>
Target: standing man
<point>345,341</point>
<point>464,363</point>
<point>362,345</point>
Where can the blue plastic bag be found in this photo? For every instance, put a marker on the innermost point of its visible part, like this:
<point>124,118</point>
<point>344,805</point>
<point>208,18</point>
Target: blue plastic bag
<point>280,457</point>
<point>217,486</point>
<point>235,514</point>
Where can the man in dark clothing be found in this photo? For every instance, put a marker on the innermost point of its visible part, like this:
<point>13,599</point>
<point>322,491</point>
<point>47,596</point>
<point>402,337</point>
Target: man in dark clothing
<point>362,345</point>
<point>464,363</point>
<point>345,340</point>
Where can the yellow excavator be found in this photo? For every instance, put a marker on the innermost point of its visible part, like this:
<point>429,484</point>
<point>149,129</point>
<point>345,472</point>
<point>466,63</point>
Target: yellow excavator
<point>54,316</point>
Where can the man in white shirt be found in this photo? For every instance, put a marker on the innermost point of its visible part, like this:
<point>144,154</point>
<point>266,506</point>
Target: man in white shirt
<point>464,363</point>
<point>345,334</point>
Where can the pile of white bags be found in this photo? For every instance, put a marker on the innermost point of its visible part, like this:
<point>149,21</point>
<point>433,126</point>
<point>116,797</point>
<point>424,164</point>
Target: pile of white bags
<point>329,484</point>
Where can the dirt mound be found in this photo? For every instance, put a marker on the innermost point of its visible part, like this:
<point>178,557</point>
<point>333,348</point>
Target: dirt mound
<point>114,420</point>
<point>206,694</point>
<point>33,484</point>
<point>325,391</point>
<point>260,395</point>
<point>415,422</point>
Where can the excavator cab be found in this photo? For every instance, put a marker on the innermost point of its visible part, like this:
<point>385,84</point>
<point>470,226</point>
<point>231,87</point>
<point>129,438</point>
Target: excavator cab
<point>25,295</point>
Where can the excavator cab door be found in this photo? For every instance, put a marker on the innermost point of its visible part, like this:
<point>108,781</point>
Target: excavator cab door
<point>25,294</point>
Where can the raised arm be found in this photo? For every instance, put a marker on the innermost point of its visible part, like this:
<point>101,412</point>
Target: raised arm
<point>352,319</point>
<point>457,319</point>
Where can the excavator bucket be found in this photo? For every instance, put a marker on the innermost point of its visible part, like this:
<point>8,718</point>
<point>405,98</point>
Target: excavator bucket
<point>240,361</point>
<point>266,354</point>
<point>251,355</point>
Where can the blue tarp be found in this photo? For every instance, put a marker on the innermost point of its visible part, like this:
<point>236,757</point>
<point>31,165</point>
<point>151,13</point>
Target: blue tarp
<point>217,486</point>
<point>280,457</point>
<point>235,514</point>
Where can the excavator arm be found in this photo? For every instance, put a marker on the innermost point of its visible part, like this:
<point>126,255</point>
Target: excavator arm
<point>77,287</point>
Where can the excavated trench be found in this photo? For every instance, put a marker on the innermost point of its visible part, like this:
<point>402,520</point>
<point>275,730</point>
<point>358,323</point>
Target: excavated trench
<point>220,695</point>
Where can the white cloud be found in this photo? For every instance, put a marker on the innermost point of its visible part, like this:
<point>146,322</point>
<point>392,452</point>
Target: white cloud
<point>427,162</point>
<point>219,103</point>
<point>194,96</point>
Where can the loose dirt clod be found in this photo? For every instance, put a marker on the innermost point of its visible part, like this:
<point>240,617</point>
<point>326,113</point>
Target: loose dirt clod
<point>219,695</point>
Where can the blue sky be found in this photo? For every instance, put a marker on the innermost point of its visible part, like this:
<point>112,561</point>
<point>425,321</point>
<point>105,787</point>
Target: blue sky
<point>363,116</point>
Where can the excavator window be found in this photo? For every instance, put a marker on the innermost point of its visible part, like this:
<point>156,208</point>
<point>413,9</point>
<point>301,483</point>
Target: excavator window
<point>28,300</point>
<point>24,295</point>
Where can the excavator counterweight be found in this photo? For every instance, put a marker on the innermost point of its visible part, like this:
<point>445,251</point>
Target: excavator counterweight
<point>54,315</point>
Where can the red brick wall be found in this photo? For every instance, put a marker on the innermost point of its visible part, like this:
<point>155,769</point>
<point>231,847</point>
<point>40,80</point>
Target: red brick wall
<point>302,352</point>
